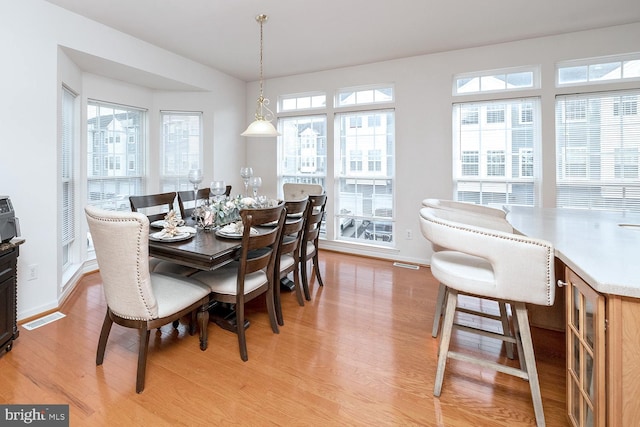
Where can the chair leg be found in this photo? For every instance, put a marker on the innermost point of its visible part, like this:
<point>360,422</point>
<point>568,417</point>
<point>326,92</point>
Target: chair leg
<point>277,300</point>
<point>203,322</point>
<point>104,336</point>
<point>506,328</point>
<point>445,338</point>
<point>442,289</point>
<point>142,357</point>
<point>240,331</point>
<point>530,360</point>
<point>305,279</point>
<point>316,268</point>
<point>296,281</point>
<point>271,308</point>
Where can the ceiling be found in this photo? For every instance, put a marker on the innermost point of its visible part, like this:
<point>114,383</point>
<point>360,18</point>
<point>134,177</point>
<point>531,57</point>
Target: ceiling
<point>304,36</point>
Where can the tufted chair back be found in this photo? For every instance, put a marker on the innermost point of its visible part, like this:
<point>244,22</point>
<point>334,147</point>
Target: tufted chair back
<point>503,265</point>
<point>295,191</point>
<point>126,279</point>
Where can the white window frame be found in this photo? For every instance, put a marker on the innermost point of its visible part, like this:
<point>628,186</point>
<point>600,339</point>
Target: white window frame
<point>181,136</point>
<point>616,68</point>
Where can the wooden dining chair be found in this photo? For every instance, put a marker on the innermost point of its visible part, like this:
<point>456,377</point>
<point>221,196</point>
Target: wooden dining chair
<point>155,206</point>
<point>135,297</point>
<point>187,196</point>
<point>252,274</point>
<point>161,202</point>
<point>288,257</point>
<point>309,244</point>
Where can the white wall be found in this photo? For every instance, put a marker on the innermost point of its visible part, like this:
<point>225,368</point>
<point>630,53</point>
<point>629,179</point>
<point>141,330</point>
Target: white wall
<point>31,33</point>
<point>423,87</point>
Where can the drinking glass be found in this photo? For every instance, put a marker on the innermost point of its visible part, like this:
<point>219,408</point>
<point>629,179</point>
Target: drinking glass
<point>195,177</point>
<point>256,183</point>
<point>246,173</point>
<point>218,188</point>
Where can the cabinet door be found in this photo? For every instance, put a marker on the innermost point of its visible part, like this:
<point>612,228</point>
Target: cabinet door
<point>585,353</point>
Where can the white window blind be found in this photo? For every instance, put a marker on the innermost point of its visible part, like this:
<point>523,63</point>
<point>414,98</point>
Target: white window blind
<point>495,147</point>
<point>115,138</point>
<point>67,201</point>
<point>181,148</point>
<point>597,151</point>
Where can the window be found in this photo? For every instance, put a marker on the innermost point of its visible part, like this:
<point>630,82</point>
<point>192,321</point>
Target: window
<point>599,70</point>
<point>302,102</point>
<point>597,157</point>
<point>67,207</point>
<point>363,96</point>
<point>109,185</point>
<point>495,155</point>
<point>496,81</point>
<point>303,150</point>
<point>181,148</point>
<point>365,188</point>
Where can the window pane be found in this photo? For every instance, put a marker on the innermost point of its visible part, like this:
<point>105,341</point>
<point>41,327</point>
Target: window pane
<point>181,149</point>
<point>597,151</point>
<point>569,75</point>
<point>495,155</point>
<point>115,137</point>
<point>348,97</point>
<point>365,175</point>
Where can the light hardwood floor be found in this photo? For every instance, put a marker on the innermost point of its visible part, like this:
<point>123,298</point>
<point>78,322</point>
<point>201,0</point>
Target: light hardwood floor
<point>359,354</point>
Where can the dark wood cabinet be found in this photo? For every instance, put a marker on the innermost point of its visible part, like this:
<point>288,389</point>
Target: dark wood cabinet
<point>8,298</point>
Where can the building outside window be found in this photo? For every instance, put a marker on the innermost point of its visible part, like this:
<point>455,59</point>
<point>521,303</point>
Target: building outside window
<point>114,138</point>
<point>181,148</point>
<point>495,145</point>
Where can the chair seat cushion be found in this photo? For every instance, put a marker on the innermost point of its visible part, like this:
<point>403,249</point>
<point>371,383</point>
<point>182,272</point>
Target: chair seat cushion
<point>466,273</point>
<point>224,280</point>
<point>286,261</point>
<point>310,248</point>
<point>174,293</point>
<point>172,267</point>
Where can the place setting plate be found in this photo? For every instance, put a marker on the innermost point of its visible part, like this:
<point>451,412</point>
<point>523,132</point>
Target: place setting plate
<point>160,236</point>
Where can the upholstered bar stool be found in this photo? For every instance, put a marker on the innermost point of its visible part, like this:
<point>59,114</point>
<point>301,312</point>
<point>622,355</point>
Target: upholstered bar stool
<point>495,265</point>
<point>480,216</point>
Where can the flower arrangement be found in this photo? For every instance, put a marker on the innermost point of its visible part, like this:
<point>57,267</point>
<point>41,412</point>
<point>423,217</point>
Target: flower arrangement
<point>225,211</point>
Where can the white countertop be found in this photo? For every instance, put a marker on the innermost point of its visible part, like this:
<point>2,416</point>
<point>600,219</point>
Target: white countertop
<point>592,243</point>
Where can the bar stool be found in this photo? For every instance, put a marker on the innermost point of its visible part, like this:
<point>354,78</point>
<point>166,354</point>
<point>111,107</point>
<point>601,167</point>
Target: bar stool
<point>497,265</point>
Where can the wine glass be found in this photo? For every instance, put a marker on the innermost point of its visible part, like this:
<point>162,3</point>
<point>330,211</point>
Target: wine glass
<point>218,188</point>
<point>195,177</point>
<point>256,183</point>
<point>246,172</point>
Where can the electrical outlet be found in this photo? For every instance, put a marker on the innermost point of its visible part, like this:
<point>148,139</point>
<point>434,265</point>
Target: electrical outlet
<point>32,272</point>
<point>408,234</point>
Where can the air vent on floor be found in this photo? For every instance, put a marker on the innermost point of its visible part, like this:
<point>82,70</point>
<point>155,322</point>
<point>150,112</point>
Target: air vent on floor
<point>43,320</point>
<point>409,266</point>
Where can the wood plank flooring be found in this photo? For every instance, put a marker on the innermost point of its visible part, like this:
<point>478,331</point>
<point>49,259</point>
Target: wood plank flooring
<point>359,354</point>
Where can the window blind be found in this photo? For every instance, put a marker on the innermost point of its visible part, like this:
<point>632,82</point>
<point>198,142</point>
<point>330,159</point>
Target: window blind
<point>67,202</point>
<point>598,151</point>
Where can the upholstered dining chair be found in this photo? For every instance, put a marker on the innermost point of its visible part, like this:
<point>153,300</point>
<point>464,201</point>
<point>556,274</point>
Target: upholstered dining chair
<point>298,191</point>
<point>135,297</point>
<point>288,258</point>
<point>153,203</point>
<point>252,274</point>
<point>491,265</point>
<point>309,244</point>
<point>187,196</point>
<point>479,216</point>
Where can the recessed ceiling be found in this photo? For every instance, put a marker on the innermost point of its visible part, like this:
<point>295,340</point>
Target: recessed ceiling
<point>304,36</point>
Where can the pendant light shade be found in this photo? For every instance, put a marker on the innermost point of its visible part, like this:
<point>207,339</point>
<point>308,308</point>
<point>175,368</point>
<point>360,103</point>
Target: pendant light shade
<point>262,126</point>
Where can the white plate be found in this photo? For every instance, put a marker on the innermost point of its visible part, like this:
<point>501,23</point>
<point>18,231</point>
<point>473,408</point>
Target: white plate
<point>161,223</point>
<point>222,233</point>
<point>160,237</point>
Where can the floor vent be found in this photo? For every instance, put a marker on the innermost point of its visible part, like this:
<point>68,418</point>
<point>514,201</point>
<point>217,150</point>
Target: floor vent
<point>409,266</point>
<point>43,321</point>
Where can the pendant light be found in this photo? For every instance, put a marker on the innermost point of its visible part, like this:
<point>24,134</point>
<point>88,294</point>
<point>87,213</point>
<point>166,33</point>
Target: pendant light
<point>262,126</point>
